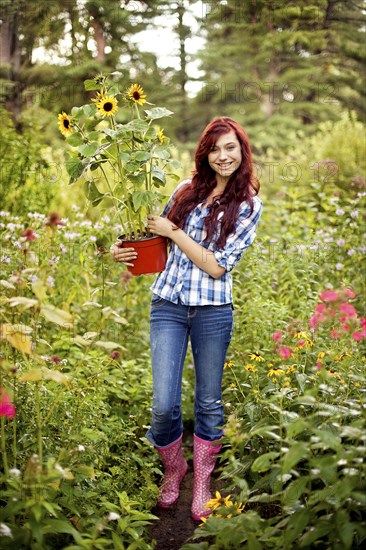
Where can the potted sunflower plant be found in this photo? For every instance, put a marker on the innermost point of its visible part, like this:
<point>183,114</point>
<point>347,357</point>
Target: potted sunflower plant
<point>123,160</point>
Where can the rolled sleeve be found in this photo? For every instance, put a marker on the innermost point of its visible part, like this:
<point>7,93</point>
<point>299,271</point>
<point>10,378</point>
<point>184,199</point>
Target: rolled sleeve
<point>242,238</point>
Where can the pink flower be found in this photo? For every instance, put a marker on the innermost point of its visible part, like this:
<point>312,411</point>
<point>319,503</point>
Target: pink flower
<point>285,352</point>
<point>6,408</point>
<point>29,234</point>
<point>329,296</point>
<point>55,359</point>
<point>54,219</point>
<point>348,292</point>
<point>314,320</point>
<point>319,365</point>
<point>363,322</point>
<point>301,343</point>
<point>320,308</point>
<point>334,334</point>
<point>348,310</point>
<point>114,354</point>
<point>357,336</point>
<point>277,335</point>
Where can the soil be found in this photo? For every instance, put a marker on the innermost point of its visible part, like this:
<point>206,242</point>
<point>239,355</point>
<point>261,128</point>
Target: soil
<point>176,525</point>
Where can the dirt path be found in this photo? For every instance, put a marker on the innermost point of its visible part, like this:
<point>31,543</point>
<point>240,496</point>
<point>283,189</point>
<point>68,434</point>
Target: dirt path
<point>175,525</point>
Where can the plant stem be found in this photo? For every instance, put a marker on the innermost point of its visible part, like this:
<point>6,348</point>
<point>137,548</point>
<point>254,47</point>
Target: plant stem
<point>3,446</point>
<point>39,424</point>
<point>237,383</point>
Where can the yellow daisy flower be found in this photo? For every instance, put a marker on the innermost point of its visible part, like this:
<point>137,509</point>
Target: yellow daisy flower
<point>255,357</point>
<point>214,503</point>
<point>136,94</point>
<point>64,124</point>
<point>228,365</point>
<point>106,104</point>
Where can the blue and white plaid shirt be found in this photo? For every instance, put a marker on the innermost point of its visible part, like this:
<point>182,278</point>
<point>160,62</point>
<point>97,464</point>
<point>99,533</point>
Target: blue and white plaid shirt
<point>182,281</point>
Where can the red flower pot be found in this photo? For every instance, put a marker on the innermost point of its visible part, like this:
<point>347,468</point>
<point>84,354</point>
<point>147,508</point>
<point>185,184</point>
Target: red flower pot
<point>152,254</point>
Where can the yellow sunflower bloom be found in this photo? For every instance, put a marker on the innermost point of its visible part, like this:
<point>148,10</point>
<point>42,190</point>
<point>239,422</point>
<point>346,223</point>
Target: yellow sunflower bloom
<point>106,104</point>
<point>136,94</point>
<point>160,135</point>
<point>64,124</point>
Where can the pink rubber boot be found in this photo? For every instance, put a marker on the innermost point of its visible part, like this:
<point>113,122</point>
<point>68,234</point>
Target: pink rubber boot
<point>175,468</point>
<point>204,459</point>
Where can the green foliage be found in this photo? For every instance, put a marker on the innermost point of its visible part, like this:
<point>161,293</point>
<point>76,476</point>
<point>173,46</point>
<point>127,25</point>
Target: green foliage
<point>71,358</point>
<point>29,176</point>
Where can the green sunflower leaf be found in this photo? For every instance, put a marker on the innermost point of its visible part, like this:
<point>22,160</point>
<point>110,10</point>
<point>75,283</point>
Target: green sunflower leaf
<point>91,85</point>
<point>137,125</point>
<point>157,112</point>
<point>75,139</point>
<point>161,152</point>
<point>89,149</point>
<point>92,193</point>
<point>158,176</point>
<point>142,156</point>
<point>89,109</point>
<point>74,168</point>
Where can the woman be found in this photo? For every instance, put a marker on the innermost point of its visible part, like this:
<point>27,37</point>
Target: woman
<point>210,220</point>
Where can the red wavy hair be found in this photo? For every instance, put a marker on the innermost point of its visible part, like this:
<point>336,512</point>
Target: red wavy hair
<point>242,185</point>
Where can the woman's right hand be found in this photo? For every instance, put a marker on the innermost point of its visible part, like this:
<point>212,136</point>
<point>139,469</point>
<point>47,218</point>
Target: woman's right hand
<point>123,255</point>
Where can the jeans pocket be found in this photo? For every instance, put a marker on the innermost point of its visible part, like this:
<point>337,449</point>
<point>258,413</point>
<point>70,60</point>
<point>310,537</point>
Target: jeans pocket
<point>157,301</point>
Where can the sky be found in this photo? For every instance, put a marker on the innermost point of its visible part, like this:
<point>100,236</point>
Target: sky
<point>164,44</point>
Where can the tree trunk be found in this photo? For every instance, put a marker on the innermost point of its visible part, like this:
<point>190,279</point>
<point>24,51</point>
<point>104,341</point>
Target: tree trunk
<point>10,60</point>
<point>98,33</point>
<point>182,34</point>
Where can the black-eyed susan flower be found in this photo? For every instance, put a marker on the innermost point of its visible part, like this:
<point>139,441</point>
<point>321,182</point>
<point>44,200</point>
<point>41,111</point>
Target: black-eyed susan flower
<point>228,365</point>
<point>250,368</point>
<point>136,94</point>
<point>275,373</point>
<point>255,357</point>
<point>301,334</point>
<point>64,124</point>
<point>106,104</point>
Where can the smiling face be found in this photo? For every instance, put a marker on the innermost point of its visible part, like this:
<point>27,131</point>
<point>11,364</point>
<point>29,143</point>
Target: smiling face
<point>225,156</point>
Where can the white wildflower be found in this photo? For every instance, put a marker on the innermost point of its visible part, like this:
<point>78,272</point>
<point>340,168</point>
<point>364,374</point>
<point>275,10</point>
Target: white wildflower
<point>113,516</point>
<point>5,531</point>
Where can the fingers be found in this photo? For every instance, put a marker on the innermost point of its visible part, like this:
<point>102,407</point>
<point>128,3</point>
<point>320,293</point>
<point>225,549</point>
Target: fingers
<point>123,255</point>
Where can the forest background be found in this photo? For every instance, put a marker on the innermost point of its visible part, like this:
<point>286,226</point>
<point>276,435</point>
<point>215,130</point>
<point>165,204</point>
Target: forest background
<point>75,383</point>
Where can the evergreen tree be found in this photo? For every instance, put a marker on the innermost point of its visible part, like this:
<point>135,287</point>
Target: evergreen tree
<point>282,66</point>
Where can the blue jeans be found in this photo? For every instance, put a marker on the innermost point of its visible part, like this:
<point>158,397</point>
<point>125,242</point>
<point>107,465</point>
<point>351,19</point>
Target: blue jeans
<point>210,329</point>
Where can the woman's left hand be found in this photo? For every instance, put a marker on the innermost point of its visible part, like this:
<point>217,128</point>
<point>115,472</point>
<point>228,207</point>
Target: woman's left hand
<point>160,226</point>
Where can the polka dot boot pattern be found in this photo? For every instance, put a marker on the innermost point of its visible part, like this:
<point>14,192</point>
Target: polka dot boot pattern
<point>204,459</point>
<point>175,468</point>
